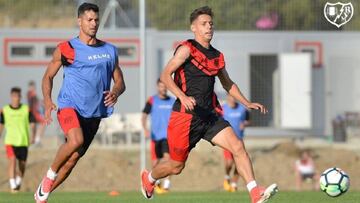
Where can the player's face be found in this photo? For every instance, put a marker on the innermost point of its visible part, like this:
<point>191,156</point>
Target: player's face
<point>203,27</point>
<point>32,87</point>
<point>15,98</point>
<point>230,100</point>
<point>162,89</point>
<point>305,156</point>
<point>89,23</point>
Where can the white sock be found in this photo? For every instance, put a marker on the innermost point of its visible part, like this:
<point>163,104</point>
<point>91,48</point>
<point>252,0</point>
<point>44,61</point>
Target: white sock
<point>37,139</point>
<point>251,185</point>
<point>12,182</point>
<point>233,184</point>
<point>18,180</point>
<point>51,174</point>
<point>166,184</point>
<point>157,182</point>
<point>227,177</point>
<point>151,179</point>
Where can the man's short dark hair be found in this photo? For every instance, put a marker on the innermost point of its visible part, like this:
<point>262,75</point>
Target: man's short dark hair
<point>200,11</point>
<point>15,90</point>
<point>87,7</point>
<point>31,83</point>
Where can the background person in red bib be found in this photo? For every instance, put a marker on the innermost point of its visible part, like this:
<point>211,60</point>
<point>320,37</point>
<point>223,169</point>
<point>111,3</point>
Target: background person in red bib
<point>36,107</point>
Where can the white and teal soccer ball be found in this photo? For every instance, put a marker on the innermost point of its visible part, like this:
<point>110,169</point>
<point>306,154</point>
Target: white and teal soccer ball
<point>334,182</point>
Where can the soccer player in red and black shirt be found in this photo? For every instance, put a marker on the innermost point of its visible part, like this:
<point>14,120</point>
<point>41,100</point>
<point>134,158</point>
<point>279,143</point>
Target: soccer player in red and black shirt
<point>196,64</point>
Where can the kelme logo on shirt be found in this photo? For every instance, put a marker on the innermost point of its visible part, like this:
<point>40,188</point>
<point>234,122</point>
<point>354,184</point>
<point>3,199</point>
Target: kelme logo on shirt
<point>98,56</point>
<point>164,106</point>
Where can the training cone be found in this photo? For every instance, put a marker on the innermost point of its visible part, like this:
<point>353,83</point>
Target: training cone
<point>114,193</point>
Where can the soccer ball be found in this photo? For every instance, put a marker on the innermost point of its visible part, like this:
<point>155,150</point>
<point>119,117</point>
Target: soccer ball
<point>334,182</point>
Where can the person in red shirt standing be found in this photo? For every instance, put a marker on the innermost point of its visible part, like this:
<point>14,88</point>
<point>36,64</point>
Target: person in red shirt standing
<point>37,109</point>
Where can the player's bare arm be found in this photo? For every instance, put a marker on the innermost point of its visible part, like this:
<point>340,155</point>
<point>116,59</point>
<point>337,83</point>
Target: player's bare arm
<point>175,62</point>
<point>118,88</point>
<point>1,128</point>
<point>47,84</point>
<point>144,117</point>
<point>235,92</point>
<point>1,125</point>
<point>33,132</point>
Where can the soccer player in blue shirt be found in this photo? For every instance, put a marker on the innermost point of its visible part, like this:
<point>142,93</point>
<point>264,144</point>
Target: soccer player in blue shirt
<point>238,117</point>
<point>85,96</point>
<point>159,108</point>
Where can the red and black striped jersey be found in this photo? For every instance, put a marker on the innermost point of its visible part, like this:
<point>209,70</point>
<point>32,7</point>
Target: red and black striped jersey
<point>196,78</point>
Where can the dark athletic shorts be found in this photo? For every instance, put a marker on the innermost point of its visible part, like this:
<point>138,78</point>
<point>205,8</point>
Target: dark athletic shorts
<point>161,147</point>
<point>307,176</point>
<point>69,118</point>
<point>20,153</point>
<point>185,130</point>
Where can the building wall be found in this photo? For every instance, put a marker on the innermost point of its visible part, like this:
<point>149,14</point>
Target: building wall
<point>340,47</point>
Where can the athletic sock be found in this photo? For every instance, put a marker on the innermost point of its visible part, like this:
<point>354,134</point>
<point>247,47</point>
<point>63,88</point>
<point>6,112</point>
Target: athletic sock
<point>51,174</point>
<point>12,182</point>
<point>157,182</point>
<point>37,139</point>
<point>151,179</point>
<point>227,177</point>
<point>18,180</point>
<point>166,184</point>
<point>251,185</point>
<point>233,184</point>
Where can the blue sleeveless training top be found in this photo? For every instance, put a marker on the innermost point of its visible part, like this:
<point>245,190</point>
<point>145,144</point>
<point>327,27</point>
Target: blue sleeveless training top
<point>87,74</point>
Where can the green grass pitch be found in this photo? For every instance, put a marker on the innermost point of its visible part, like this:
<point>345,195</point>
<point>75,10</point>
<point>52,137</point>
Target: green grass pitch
<point>177,197</point>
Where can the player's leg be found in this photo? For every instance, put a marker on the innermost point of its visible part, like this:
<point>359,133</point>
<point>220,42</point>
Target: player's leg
<point>11,167</point>
<point>315,180</point>
<point>227,139</point>
<point>39,133</point>
<point>158,156</point>
<point>298,180</point>
<point>161,170</point>
<point>74,140</point>
<point>21,154</point>
<point>154,159</point>
<point>181,125</point>
<point>165,157</point>
<point>179,147</point>
<point>170,166</point>
<point>70,123</point>
<point>12,172</point>
<point>20,175</point>
<point>235,180</point>
<point>228,161</point>
<point>65,170</point>
<point>89,128</point>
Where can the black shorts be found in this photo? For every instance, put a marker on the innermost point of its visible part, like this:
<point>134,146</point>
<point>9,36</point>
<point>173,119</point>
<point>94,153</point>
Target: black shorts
<point>89,127</point>
<point>69,118</point>
<point>161,147</point>
<point>185,130</point>
<point>20,153</point>
<point>307,176</point>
